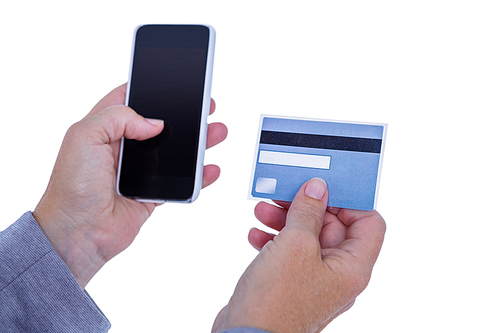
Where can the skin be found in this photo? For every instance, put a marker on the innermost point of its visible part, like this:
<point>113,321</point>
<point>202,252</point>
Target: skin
<point>81,214</point>
<point>311,272</point>
<point>302,278</point>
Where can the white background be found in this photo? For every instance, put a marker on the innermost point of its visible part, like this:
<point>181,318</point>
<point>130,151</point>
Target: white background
<point>430,69</point>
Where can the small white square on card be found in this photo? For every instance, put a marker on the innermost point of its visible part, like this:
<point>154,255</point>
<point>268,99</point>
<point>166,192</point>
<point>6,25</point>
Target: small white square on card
<point>265,185</point>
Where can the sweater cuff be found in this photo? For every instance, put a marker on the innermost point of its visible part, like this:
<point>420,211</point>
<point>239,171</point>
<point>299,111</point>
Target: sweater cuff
<point>38,293</point>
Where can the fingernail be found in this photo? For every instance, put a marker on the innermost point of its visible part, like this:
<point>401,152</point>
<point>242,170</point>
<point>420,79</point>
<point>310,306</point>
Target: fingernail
<point>316,188</point>
<point>155,122</point>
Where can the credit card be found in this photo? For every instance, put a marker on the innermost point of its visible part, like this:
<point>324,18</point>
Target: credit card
<point>347,155</point>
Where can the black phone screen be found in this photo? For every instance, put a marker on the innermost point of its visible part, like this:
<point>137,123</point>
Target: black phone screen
<point>167,82</point>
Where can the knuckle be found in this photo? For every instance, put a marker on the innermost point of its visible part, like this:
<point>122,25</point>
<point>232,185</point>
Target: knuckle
<point>74,131</point>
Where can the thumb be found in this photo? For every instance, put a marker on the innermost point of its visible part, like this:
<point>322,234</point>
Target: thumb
<point>308,207</point>
<point>119,121</point>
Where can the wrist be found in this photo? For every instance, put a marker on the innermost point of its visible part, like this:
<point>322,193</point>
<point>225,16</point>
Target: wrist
<point>70,241</point>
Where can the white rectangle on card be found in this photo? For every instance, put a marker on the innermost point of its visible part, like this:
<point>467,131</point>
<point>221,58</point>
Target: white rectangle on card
<point>297,160</point>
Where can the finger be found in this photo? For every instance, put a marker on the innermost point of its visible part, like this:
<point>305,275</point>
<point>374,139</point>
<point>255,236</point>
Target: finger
<point>284,204</point>
<point>119,121</point>
<point>308,207</point>
<point>333,210</point>
<point>212,106</point>
<point>210,174</point>
<point>216,133</point>
<point>333,232</point>
<point>115,97</point>
<point>270,215</point>
<point>350,216</point>
<point>365,234</point>
<point>259,238</point>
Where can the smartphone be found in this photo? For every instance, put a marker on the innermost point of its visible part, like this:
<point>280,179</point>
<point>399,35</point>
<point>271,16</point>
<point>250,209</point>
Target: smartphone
<point>170,79</point>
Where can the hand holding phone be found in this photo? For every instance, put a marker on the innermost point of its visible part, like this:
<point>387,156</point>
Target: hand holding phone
<point>170,79</point>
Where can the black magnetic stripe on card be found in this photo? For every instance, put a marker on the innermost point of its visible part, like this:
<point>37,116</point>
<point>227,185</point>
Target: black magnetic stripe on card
<point>365,145</point>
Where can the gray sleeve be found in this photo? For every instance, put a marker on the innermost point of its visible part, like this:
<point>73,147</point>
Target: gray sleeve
<point>38,293</point>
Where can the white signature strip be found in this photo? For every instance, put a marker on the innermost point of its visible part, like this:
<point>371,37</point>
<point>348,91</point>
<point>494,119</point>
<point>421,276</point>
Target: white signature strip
<point>297,160</point>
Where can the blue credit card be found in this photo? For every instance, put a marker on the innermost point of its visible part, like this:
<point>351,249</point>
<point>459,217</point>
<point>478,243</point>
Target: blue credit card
<point>347,155</point>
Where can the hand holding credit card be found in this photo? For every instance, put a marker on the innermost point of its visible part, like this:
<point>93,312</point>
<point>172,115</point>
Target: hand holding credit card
<point>347,155</point>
